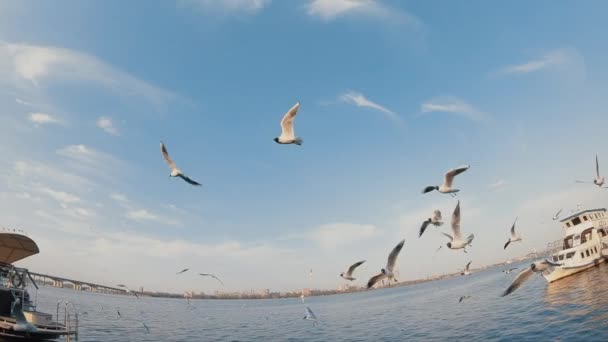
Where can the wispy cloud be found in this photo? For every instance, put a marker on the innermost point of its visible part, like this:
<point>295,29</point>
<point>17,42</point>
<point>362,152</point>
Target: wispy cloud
<point>360,100</point>
<point>555,59</point>
<point>107,125</point>
<point>89,156</point>
<point>226,6</point>
<point>453,105</point>
<point>332,9</point>
<point>330,236</point>
<point>143,215</point>
<point>32,64</point>
<point>60,196</point>
<point>42,118</point>
<point>120,198</point>
<point>498,185</point>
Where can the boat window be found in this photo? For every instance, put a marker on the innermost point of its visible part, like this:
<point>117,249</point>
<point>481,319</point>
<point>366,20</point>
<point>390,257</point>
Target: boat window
<point>567,224</point>
<point>582,255</point>
<point>595,248</point>
<point>585,217</point>
<point>561,257</point>
<point>576,220</point>
<point>587,252</point>
<point>569,255</point>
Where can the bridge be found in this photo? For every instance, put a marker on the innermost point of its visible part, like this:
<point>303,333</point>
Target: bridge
<point>75,284</point>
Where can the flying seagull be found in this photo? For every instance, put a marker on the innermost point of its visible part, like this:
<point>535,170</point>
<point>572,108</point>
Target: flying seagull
<point>556,216</point>
<point>456,241</point>
<point>437,250</point>
<point>435,221</point>
<point>390,266</point>
<point>146,327</point>
<point>536,267</point>
<point>308,314</point>
<point>599,180</point>
<point>446,187</point>
<point>212,276</point>
<point>466,271</point>
<point>182,271</point>
<point>175,172</point>
<point>288,135</point>
<point>509,270</point>
<point>348,275</point>
<point>514,236</point>
<point>118,312</point>
<point>463,298</point>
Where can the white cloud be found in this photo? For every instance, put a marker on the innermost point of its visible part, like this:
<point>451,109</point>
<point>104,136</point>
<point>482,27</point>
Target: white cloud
<point>90,156</point>
<point>330,236</point>
<point>25,64</point>
<point>332,9</point>
<point>360,100</point>
<point>499,184</point>
<point>107,125</point>
<point>42,118</point>
<point>60,196</point>
<point>142,215</point>
<point>227,6</point>
<point>118,197</point>
<point>452,105</point>
<point>560,58</point>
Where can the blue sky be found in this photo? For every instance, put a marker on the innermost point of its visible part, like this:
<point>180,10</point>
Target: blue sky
<point>393,94</point>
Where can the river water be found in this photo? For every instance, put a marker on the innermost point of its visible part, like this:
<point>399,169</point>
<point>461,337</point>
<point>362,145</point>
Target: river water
<point>573,309</point>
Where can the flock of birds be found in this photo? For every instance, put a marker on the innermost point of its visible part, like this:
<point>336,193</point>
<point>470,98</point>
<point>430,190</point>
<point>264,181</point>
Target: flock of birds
<point>456,239</point>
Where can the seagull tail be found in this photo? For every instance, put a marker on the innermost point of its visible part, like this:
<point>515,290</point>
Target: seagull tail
<point>298,141</point>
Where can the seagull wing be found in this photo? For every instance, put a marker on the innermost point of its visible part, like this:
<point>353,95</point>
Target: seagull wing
<point>449,236</point>
<point>466,268</point>
<point>310,314</point>
<point>449,176</point>
<point>512,269</point>
<point>189,180</point>
<point>212,276</point>
<point>507,244</point>
<point>287,122</point>
<point>351,269</point>
<point>597,167</point>
<point>182,271</point>
<point>513,229</point>
<point>423,227</point>
<point>519,280</point>
<point>456,222</point>
<point>163,150</point>
<point>392,258</point>
<point>373,280</point>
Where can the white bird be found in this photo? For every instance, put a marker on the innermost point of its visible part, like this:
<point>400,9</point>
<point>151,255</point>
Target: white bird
<point>448,179</point>
<point>175,172</point>
<point>348,275</point>
<point>21,323</point>
<point>466,271</point>
<point>308,314</point>
<point>212,276</point>
<point>514,236</point>
<point>288,135</point>
<point>599,180</point>
<point>435,220</point>
<point>463,298</point>
<point>456,241</point>
<point>509,270</point>
<point>556,216</point>
<point>536,267</point>
<point>387,272</point>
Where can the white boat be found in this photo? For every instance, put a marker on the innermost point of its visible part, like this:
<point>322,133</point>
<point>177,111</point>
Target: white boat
<point>20,320</point>
<point>585,244</point>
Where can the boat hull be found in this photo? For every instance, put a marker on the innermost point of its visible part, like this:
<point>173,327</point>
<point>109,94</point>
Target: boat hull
<point>562,272</point>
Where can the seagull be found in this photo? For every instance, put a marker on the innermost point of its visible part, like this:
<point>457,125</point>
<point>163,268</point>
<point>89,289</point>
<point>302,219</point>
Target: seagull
<point>556,216</point>
<point>509,270</point>
<point>302,297</point>
<point>466,271</point>
<point>212,276</point>
<point>175,172</point>
<point>182,271</point>
<point>390,266</point>
<point>118,312</point>
<point>146,327</point>
<point>456,241</point>
<point>308,314</point>
<point>463,298</point>
<point>121,285</point>
<point>446,187</point>
<point>288,135</point>
<point>599,180</point>
<point>435,221</point>
<point>437,250</point>
<point>21,323</point>
<point>536,267</point>
<point>514,236</point>
<point>348,275</point>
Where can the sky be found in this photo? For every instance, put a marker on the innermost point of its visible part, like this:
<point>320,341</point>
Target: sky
<point>393,94</point>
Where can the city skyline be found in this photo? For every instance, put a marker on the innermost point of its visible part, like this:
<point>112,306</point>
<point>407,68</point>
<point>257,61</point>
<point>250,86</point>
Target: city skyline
<point>392,95</point>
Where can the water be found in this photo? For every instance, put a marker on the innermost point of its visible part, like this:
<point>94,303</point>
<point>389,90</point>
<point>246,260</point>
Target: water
<point>575,308</point>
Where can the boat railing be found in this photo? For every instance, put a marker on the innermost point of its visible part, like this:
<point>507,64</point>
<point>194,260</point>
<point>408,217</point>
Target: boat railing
<point>70,319</point>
